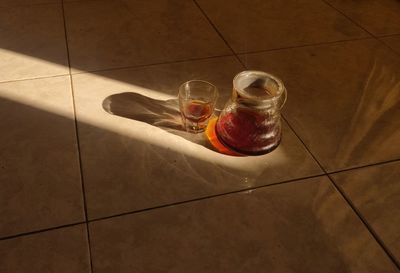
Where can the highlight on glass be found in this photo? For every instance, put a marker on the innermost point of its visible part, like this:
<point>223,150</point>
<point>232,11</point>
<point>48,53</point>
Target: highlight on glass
<point>197,100</point>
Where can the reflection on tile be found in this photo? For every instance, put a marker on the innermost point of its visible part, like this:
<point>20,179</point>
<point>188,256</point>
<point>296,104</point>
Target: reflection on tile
<point>378,17</point>
<point>109,34</point>
<point>301,227</point>
<point>247,29</point>
<point>375,192</point>
<point>393,42</point>
<point>62,250</point>
<point>343,99</point>
<point>39,170</point>
<point>130,165</point>
<point>32,42</point>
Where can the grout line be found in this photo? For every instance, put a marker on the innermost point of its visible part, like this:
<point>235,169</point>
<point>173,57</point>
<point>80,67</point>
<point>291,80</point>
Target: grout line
<point>348,17</point>
<point>39,231</point>
<point>66,37</point>
<point>158,207</point>
<point>352,206</point>
<point>34,78</point>
<point>77,141</point>
<point>118,68</point>
<point>305,146</point>
<point>75,119</point>
<point>291,128</point>
<point>388,46</point>
<point>209,196</point>
<point>339,171</point>
<point>365,166</point>
<point>233,54</point>
<point>218,32</point>
<point>306,45</point>
<point>388,35</point>
<point>309,151</point>
<point>206,197</point>
<point>89,246</point>
<point>366,224</point>
<point>370,229</point>
<point>151,64</point>
<point>360,26</point>
<point>179,61</point>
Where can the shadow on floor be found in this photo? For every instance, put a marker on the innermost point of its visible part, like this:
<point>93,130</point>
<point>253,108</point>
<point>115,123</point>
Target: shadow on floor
<point>164,114</point>
<point>160,113</point>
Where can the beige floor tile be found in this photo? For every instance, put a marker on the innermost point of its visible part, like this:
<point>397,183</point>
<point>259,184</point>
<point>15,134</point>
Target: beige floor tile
<point>393,42</point>
<point>260,25</point>
<point>342,99</point>
<point>375,192</point>
<point>40,181</point>
<point>298,227</point>
<point>378,17</point>
<point>109,34</point>
<point>32,42</point>
<point>61,250</point>
<point>130,165</point>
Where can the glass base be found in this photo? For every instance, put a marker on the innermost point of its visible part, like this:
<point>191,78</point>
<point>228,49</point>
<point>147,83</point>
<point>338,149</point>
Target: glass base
<point>193,127</point>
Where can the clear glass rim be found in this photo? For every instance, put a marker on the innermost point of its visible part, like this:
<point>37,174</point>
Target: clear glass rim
<point>281,87</point>
<point>214,88</point>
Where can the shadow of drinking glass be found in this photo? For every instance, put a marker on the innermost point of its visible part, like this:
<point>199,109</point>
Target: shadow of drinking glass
<point>164,114</point>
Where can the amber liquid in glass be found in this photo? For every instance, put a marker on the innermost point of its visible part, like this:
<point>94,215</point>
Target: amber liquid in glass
<point>195,114</point>
<point>197,110</point>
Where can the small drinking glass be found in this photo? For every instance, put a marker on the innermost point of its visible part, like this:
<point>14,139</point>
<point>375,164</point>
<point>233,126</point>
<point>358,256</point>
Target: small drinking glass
<point>196,102</point>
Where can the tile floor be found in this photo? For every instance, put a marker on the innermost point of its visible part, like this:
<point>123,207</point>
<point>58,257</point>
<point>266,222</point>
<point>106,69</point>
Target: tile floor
<point>96,175</point>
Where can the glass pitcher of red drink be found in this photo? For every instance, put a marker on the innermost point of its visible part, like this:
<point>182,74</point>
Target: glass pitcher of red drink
<point>250,123</point>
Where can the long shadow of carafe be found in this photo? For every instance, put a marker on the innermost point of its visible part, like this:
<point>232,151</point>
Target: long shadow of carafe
<point>164,114</point>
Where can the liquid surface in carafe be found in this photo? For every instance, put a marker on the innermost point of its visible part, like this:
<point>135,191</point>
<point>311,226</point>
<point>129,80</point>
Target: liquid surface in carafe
<point>256,90</point>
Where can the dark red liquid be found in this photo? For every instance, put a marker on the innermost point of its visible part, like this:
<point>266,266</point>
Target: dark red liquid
<point>248,131</point>
<point>197,111</point>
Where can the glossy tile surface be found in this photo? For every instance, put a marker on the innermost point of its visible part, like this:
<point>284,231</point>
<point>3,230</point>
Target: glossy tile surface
<point>62,250</point>
<point>301,227</point>
<point>39,170</point>
<point>342,99</point>
<point>160,199</point>
<point>393,42</point>
<point>108,34</point>
<point>259,25</point>
<point>31,45</point>
<point>375,192</point>
<point>130,165</point>
<point>378,17</point>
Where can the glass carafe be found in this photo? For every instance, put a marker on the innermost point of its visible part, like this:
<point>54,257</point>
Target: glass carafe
<point>250,123</point>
